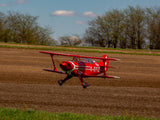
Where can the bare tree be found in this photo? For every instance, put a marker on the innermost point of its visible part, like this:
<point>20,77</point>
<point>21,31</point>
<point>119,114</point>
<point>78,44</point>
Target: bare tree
<point>135,26</point>
<point>24,28</point>
<point>115,26</point>
<point>97,32</point>
<point>124,29</point>
<point>105,30</point>
<point>153,27</point>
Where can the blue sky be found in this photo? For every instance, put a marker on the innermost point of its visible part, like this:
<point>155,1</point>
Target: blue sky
<point>69,17</point>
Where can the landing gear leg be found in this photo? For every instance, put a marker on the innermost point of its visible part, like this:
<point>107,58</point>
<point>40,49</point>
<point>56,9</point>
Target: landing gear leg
<point>84,84</point>
<point>60,82</point>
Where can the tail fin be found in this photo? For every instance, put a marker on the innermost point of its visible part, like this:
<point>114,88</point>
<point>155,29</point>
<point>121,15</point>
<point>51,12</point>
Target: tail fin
<point>102,64</point>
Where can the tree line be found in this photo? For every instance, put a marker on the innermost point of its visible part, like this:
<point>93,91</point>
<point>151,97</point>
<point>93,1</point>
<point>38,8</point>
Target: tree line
<point>133,27</point>
<point>23,28</point>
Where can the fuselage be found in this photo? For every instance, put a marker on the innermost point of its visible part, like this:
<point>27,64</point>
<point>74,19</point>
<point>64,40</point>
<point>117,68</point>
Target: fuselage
<point>80,67</point>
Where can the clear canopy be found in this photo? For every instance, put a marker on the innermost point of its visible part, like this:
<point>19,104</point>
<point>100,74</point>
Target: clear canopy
<point>85,60</point>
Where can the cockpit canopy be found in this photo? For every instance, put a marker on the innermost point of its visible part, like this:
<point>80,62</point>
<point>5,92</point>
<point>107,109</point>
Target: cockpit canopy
<point>85,60</point>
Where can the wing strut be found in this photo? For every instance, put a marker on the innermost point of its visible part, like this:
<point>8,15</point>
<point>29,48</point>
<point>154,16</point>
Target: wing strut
<point>55,69</point>
<point>104,60</point>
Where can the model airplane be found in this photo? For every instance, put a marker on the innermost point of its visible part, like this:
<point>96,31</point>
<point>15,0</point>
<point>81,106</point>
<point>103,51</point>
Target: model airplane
<point>81,67</point>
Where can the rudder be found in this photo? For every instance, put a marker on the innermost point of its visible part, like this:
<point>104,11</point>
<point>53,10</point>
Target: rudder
<point>102,64</point>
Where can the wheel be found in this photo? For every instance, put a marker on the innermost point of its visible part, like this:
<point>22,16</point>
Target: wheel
<point>60,82</point>
<point>85,85</point>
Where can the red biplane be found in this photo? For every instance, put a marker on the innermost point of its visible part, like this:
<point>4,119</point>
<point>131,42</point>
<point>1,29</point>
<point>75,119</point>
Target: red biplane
<point>81,67</point>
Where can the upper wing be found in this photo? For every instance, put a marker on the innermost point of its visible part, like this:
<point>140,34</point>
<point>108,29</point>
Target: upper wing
<point>52,53</point>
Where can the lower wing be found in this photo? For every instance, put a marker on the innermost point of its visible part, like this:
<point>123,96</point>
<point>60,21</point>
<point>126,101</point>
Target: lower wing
<point>54,71</point>
<point>102,76</point>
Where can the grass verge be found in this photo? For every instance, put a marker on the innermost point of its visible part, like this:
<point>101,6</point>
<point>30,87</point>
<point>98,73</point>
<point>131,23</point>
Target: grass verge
<point>78,49</point>
<point>17,114</point>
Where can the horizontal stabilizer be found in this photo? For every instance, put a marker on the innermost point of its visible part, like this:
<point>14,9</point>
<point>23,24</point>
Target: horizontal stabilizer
<point>116,77</point>
<point>111,77</point>
<point>113,59</point>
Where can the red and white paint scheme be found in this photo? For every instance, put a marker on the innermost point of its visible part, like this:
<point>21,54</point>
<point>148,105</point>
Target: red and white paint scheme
<point>81,66</point>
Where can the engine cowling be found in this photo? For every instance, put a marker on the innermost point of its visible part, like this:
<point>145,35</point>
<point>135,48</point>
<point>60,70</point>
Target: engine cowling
<point>66,66</point>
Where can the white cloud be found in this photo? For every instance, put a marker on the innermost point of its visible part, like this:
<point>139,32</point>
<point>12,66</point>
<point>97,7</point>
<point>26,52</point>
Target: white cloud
<point>89,14</point>
<point>21,1</point>
<point>80,22</point>
<point>3,5</point>
<point>63,13</point>
<point>73,13</point>
<point>13,3</point>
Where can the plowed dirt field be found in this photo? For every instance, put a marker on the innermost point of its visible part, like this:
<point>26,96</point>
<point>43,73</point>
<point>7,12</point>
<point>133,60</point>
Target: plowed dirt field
<point>23,84</point>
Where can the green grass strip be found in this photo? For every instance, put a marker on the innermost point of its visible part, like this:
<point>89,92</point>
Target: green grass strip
<point>76,50</point>
<point>17,114</point>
